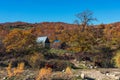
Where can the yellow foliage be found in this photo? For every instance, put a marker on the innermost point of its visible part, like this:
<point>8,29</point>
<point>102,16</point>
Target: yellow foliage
<point>44,73</point>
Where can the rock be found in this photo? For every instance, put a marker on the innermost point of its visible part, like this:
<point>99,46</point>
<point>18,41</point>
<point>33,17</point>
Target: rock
<point>4,78</point>
<point>63,70</point>
<point>77,75</point>
<point>95,67</point>
<point>117,77</point>
<point>82,76</point>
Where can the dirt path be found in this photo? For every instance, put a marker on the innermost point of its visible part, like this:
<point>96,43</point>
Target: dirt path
<point>97,74</point>
<point>100,74</point>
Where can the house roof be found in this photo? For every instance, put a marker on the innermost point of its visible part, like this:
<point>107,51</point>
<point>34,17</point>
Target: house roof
<point>56,40</point>
<point>41,39</point>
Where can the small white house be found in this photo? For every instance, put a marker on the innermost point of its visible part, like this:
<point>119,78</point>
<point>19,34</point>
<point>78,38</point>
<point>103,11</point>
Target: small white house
<point>43,41</point>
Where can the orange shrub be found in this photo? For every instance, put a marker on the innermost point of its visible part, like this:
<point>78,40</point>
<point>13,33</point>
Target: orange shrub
<point>16,71</point>
<point>44,74</point>
<point>68,71</point>
<point>19,69</point>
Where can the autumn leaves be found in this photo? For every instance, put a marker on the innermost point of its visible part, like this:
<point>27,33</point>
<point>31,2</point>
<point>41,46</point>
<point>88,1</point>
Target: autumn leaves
<point>19,40</point>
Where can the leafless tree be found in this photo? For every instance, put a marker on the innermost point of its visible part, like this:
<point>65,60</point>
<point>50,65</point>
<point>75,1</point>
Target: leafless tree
<point>85,18</point>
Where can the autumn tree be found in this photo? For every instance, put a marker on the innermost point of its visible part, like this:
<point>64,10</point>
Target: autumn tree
<point>78,41</point>
<point>115,37</point>
<point>112,36</point>
<point>3,32</point>
<point>84,41</point>
<point>19,40</point>
<point>85,18</point>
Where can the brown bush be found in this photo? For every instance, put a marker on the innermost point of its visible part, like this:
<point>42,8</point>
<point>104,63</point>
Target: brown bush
<point>35,60</point>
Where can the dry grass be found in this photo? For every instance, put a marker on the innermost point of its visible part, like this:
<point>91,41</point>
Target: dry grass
<point>16,71</point>
<point>44,74</point>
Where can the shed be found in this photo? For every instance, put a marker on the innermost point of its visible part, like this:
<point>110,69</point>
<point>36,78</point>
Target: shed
<point>43,41</point>
<point>56,44</point>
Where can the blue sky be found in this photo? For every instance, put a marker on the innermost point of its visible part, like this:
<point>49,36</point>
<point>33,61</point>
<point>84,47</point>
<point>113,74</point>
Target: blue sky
<point>106,11</point>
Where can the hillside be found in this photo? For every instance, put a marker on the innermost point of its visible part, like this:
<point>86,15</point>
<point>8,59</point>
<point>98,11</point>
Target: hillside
<point>98,46</point>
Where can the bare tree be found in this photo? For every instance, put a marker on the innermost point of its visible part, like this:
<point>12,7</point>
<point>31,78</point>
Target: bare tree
<point>85,18</point>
